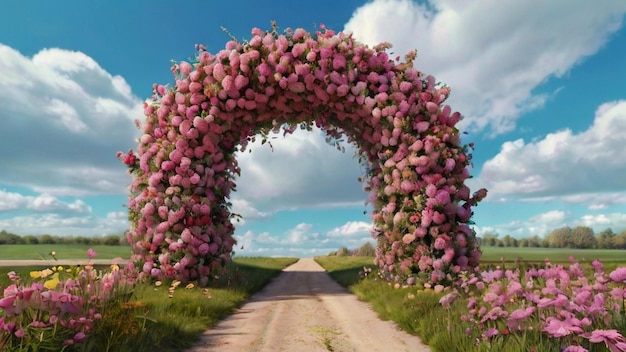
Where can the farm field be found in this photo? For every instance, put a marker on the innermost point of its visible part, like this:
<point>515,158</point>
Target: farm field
<point>63,251</point>
<point>556,255</point>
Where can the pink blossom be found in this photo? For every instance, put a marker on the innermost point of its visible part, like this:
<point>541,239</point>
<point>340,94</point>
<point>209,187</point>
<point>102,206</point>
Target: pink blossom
<point>556,327</point>
<point>618,275</point>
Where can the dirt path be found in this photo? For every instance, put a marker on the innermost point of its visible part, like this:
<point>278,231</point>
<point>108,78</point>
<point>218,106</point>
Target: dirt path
<point>304,310</point>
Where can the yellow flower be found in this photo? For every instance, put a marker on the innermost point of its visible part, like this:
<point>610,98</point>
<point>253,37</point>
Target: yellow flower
<point>115,267</point>
<point>40,274</point>
<point>53,282</point>
<point>189,286</point>
<point>35,274</point>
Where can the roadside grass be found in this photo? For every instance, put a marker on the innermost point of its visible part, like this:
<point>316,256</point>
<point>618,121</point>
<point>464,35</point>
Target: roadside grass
<point>418,311</point>
<point>167,317</point>
<point>63,251</point>
<point>346,270</point>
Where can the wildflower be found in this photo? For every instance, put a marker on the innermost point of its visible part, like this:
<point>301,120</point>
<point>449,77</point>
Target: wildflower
<point>559,328</point>
<point>575,348</point>
<point>447,300</point>
<point>91,253</point>
<point>611,338</point>
<point>618,275</point>
<point>491,332</point>
<point>519,315</point>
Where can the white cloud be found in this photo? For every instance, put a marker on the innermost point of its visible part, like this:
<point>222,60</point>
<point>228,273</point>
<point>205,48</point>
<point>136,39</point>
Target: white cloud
<point>302,240</point>
<point>542,224</point>
<point>302,171</point>
<point>12,201</point>
<point>551,218</point>
<point>62,225</point>
<point>493,54</point>
<point>65,119</point>
<point>581,166</point>
<point>351,228</point>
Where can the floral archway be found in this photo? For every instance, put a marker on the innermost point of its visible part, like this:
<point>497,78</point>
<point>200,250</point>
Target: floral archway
<point>185,167</point>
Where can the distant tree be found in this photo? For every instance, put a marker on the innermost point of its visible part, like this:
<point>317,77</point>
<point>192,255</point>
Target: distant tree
<point>524,242</point>
<point>30,239</point>
<point>582,237</point>
<point>111,240</point>
<point>560,238</point>
<point>605,239</point>
<point>46,239</point>
<point>534,242</point>
<point>342,252</point>
<point>489,239</point>
<point>619,241</point>
<point>509,241</point>
<point>10,238</point>
<point>366,250</point>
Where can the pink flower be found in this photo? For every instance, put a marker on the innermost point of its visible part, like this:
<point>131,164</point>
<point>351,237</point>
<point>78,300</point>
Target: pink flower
<point>447,300</point>
<point>618,275</point>
<point>91,253</point>
<point>559,328</point>
<point>611,338</point>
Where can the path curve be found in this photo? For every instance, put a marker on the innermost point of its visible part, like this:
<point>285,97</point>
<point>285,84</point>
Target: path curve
<point>305,310</point>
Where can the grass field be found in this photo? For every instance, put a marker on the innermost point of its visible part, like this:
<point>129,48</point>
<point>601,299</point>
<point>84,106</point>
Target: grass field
<point>556,255</point>
<point>63,251</point>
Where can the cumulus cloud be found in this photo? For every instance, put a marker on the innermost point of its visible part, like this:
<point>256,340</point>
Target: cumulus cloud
<point>578,166</point>
<point>12,201</point>
<point>298,171</point>
<point>351,228</point>
<point>65,224</point>
<point>493,54</point>
<point>65,117</point>
<point>543,223</point>
<point>303,240</point>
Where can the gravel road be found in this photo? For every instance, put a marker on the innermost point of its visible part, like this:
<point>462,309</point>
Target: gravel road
<point>304,310</point>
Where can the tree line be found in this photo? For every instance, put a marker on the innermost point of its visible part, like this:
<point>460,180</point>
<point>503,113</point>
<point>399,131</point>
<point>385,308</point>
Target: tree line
<point>109,240</point>
<point>579,237</point>
<point>366,250</point>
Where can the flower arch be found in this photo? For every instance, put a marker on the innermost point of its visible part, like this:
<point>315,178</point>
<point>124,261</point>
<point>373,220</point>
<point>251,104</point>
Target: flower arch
<point>184,168</point>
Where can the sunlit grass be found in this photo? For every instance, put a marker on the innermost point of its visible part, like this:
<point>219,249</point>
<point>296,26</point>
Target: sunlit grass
<point>418,311</point>
<point>158,318</point>
<point>63,251</point>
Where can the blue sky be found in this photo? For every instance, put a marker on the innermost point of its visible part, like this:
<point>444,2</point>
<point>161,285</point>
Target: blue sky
<point>542,87</point>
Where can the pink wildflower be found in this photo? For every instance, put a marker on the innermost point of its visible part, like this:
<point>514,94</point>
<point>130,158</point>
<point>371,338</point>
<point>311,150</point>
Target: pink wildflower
<point>556,327</point>
<point>611,338</point>
<point>618,275</point>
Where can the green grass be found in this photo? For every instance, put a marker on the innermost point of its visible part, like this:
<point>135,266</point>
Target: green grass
<point>418,312</point>
<point>556,255</point>
<point>63,251</point>
<point>155,321</point>
<point>345,270</point>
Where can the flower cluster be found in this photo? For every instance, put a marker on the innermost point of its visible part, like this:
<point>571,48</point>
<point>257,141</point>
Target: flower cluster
<point>563,303</point>
<point>58,306</point>
<point>184,166</point>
